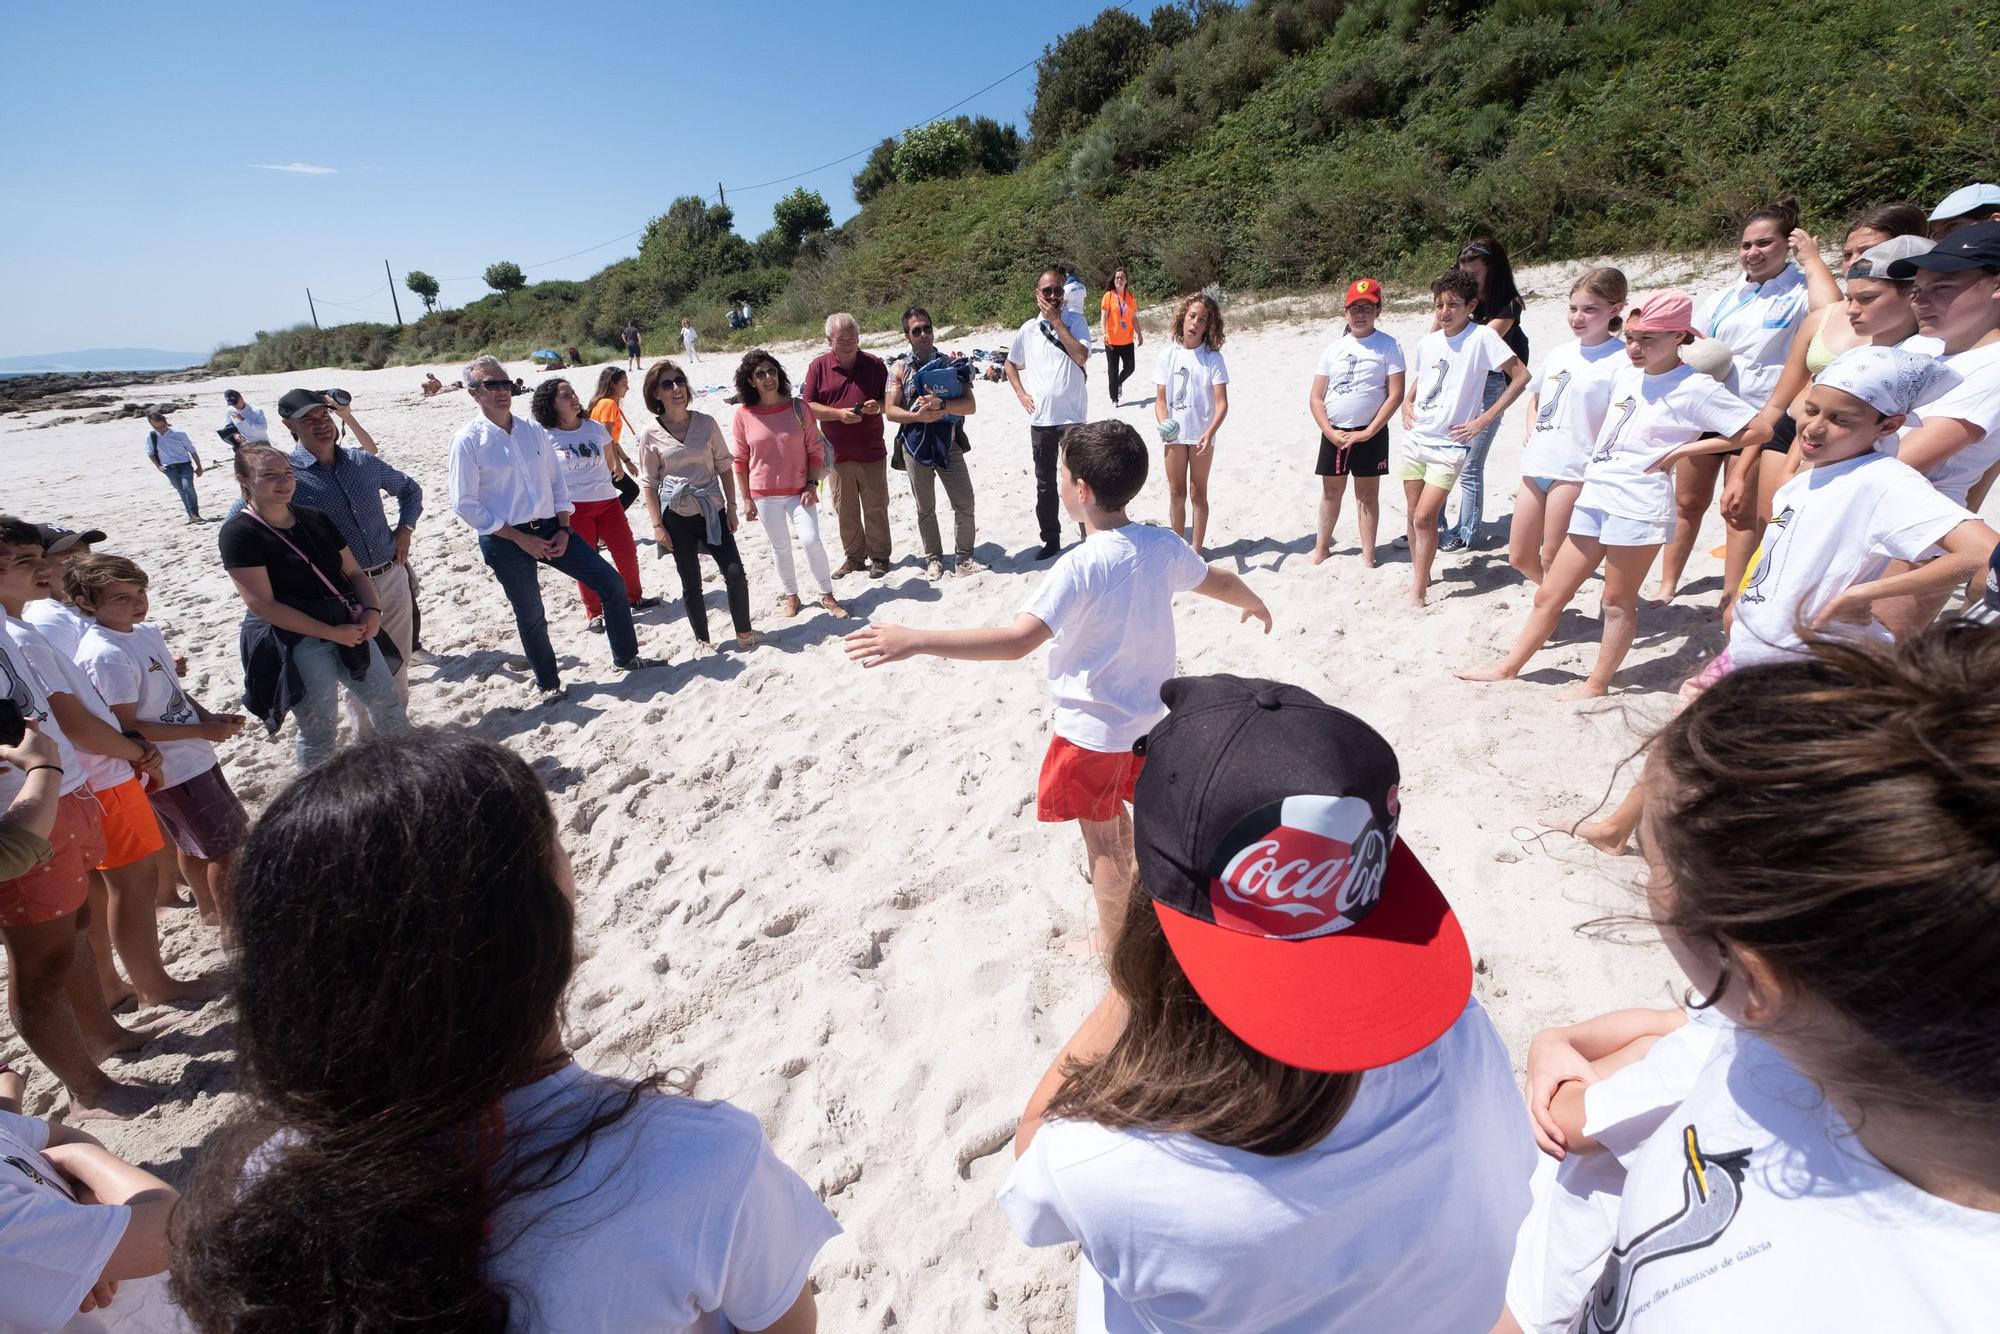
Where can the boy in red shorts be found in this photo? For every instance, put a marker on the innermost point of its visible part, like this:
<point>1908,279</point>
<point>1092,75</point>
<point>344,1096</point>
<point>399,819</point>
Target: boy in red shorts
<point>52,991</point>
<point>1108,605</point>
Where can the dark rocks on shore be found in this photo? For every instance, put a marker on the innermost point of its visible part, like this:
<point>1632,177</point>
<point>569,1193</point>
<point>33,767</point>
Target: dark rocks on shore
<point>54,393</point>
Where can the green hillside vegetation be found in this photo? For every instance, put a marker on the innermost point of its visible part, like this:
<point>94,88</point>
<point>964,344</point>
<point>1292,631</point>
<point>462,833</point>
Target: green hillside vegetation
<point>1293,143</point>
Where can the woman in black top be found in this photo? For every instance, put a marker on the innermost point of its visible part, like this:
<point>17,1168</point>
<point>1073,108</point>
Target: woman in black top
<point>1499,308</point>
<point>313,619</point>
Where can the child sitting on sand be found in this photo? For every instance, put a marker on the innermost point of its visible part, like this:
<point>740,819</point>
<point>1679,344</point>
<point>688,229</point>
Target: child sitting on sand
<point>1108,604</point>
<point>1442,416</point>
<point>133,670</point>
<point>75,1220</point>
<point>1288,1114</point>
<point>1834,1164</point>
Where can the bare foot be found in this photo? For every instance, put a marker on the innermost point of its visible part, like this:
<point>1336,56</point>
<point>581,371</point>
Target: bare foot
<point>1587,690</point>
<point>1319,555</point>
<point>1368,557</point>
<point>1417,597</point>
<point>1660,594</point>
<point>127,1041</point>
<point>113,1102</point>
<point>172,899</point>
<point>1598,833</point>
<point>203,988</point>
<point>789,605</point>
<point>1483,674</point>
<point>831,604</point>
<point>117,991</point>
<point>213,919</point>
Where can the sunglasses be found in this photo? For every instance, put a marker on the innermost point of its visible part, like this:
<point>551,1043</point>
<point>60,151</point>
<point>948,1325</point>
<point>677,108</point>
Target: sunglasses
<point>764,373</point>
<point>494,384</point>
<point>918,331</point>
<point>673,382</point>
<point>1050,291</point>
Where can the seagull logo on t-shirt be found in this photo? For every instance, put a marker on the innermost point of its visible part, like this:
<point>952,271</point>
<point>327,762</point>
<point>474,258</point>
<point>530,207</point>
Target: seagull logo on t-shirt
<point>1443,368</point>
<point>1712,1190</point>
<point>1548,410</point>
<point>16,690</point>
<point>1624,408</point>
<point>1769,556</point>
<point>1348,382</point>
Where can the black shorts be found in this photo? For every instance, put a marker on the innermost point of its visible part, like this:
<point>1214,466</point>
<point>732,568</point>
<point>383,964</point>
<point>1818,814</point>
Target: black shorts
<point>1368,458</point>
<point>1780,442</point>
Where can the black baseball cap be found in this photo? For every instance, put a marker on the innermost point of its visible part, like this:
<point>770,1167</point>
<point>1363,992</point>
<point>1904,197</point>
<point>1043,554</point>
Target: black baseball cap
<point>298,402</point>
<point>1265,829</point>
<point>57,539</point>
<point>1974,247</point>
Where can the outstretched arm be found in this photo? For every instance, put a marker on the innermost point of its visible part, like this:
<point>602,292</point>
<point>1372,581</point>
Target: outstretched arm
<point>1224,586</point>
<point>880,642</point>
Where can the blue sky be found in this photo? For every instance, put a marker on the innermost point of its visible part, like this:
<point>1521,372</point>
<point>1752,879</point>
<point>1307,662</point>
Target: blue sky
<point>137,212</point>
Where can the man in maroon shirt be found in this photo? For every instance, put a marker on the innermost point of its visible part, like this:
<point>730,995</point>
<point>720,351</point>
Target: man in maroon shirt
<point>844,389</point>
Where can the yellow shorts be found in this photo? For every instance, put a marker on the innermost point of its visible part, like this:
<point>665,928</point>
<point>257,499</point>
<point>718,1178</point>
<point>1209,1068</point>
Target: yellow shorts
<point>1443,476</point>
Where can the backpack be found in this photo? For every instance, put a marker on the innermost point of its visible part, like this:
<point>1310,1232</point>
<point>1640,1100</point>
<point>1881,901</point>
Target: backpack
<point>930,443</point>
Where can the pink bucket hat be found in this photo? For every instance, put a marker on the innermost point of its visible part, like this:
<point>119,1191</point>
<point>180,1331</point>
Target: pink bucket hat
<point>1662,312</point>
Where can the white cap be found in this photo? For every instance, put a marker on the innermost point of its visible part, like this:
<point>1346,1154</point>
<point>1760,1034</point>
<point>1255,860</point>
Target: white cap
<point>1966,200</point>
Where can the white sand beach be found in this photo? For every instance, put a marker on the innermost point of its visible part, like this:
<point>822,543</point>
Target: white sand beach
<point>821,891</point>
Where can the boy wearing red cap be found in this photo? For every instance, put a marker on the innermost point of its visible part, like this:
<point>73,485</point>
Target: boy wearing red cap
<point>1288,1114</point>
<point>1107,605</point>
<point>1358,384</point>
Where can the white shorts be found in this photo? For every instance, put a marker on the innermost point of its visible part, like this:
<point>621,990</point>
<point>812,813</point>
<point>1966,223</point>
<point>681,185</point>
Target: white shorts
<point>1615,530</point>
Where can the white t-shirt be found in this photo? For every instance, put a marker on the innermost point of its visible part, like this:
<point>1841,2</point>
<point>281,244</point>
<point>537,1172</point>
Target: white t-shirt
<point>1057,384</point>
<point>51,1248</point>
<point>1976,402</point>
<point>58,674</point>
<point>1401,1219</point>
<point>136,667</point>
<point>1450,383</point>
<point>1649,417</point>
<point>586,472</point>
<point>20,683</point>
<point>1073,294</point>
<point>1833,526</point>
<point>1753,1207</point>
<point>1109,605</point>
<point>1189,375</point>
<point>678,1218</point>
<point>60,624</point>
<point>1573,1221</point>
<point>1357,372</point>
<point>250,423</point>
<point>1572,389</point>
<point>687,337</point>
<point>1759,322</point>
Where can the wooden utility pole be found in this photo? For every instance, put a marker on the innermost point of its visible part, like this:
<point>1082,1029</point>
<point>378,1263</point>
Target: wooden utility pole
<point>310,306</point>
<point>720,197</point>
<point>392,293</point>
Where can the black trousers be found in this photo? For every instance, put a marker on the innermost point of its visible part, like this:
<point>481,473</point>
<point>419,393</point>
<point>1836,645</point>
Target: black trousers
<point>1118,359</point>
<point>689,534</point>
<point>1048,495</point>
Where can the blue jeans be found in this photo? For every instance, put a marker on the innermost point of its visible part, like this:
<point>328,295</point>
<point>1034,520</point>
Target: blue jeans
<point>1472,477</point>
<point>321,672</point>
<point>517,572</point>
<point>182,476</point>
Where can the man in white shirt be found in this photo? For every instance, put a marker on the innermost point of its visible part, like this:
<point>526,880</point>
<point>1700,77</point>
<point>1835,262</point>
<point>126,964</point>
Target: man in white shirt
<point>507,485</point>
<point>172,454</point>
<point>249,422</point>
<point>1045,365</point>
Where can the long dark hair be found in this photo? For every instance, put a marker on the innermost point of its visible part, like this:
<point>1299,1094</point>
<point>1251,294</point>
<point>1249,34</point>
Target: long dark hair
<point>607,383</point>
<point>542,407</point>
<point>1839,816</point>
<point>1501,294</point>
<point>746,384</point>
<point>404,946</point>
<point>1176,1069</point>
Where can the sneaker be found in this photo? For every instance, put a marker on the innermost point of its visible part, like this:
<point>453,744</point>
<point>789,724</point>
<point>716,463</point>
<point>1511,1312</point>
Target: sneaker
<point>934,570</point>
<point>847,567</point>
<point>595,625</point>
<point>643,604</point>
<point>545,695</point>
<point>968,565</point>
<point>1452,543</point>
<point>1047,550</point>
<point>636,663</point>
<point>878,569</point>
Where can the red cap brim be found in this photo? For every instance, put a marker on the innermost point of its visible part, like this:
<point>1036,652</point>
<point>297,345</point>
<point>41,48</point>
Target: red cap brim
<point>1359,999</point>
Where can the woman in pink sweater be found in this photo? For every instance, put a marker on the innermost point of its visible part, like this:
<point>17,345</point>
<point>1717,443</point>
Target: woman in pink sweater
<point>779,457</point>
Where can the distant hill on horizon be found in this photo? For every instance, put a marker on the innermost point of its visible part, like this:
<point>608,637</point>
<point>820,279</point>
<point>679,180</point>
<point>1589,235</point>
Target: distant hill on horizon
<point>102,359</point>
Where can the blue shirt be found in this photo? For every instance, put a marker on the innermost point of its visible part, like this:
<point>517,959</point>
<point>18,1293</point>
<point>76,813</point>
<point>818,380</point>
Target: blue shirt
<point>170,447</point>
<point>349,491</point>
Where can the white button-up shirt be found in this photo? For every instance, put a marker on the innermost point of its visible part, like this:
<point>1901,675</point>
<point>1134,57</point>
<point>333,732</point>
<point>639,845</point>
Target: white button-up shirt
<point>250,422</point>
<point>501,477</point>
<point>1759,322</point>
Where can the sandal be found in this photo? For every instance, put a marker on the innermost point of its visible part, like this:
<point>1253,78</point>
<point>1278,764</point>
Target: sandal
<point>832,605</point>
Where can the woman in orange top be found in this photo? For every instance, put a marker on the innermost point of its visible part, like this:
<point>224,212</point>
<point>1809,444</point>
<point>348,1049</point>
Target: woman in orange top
<point>606,411</point>
<point>1121,330</point>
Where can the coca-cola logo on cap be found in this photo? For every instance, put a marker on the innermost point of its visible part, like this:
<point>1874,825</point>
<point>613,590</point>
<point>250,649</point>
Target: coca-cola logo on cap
<point>1306,866</point>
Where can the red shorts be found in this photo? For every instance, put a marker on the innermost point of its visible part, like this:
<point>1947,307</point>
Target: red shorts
<point>131,830</point>
<point>1080,784</point>
<point>57,887</point>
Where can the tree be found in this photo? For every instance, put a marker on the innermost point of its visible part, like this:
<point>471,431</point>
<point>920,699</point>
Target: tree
<point>799,213</point>
<point>506,276</point>
<point>425,287</point>
<point>690,243</point>
<point>877,173</point>
<point>1085,69</point>
<point>996,148</point>
<point>1171,24</point>
<point>940,149</point>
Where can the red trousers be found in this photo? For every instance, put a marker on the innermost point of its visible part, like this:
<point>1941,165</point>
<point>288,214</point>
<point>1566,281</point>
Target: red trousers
<point>602,523</point>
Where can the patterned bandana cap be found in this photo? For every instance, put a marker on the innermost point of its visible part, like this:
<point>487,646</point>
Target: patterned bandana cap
<point>1888,379</point>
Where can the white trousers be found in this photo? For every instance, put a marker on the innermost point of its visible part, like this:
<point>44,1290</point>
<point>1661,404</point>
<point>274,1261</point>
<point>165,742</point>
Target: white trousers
<point>783,516</point>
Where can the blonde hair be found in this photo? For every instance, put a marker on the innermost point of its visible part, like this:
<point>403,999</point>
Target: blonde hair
<point>1608,285</point>
<point>1211,337</point>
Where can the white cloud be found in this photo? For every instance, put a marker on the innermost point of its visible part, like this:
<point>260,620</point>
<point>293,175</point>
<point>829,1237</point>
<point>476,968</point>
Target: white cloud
<point>296,168</point>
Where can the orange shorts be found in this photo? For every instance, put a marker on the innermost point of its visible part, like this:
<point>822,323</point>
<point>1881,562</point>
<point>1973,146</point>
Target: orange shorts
<point>57,887</point>
<point>1080,784</point>
<point>131,830</point>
